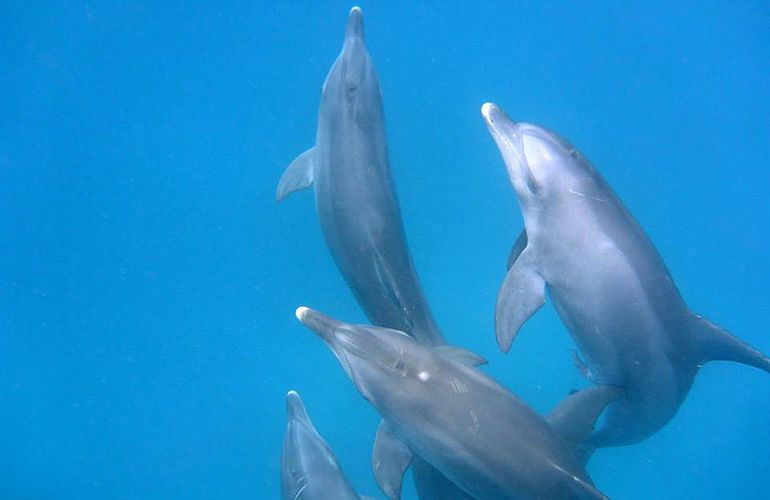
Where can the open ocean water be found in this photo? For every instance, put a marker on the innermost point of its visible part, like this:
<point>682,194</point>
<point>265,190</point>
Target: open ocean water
<point>148,280</point>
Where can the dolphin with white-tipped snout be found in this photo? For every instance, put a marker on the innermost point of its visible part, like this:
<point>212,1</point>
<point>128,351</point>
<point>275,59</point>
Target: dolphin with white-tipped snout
<point>606,280</point>
<point>309,469</point>
<point>436,404</point>
<point>355,198</point>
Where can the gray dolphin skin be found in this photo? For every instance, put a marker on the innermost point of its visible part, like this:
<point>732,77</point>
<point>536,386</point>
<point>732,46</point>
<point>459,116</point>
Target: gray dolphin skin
<point>309,469</point>
<point>607,282</point>
<point>355,200</point>
<point>478,434</point>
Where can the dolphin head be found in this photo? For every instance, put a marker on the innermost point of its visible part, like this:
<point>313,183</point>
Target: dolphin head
<point>352,78</point>
<point>371,356</point>
<point>543,167</point>
<point>307,462</point>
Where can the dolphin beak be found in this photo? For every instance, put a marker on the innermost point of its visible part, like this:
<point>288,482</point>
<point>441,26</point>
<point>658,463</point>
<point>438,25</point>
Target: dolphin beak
<point>509,137</point>
<point>355,27</point>
<point>328,329</point>
<point>499,125</point>
<point>321,324</point>
<point>295,410</point>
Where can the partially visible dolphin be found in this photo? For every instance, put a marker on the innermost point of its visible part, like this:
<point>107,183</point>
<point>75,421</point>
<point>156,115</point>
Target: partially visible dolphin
<point>309,469</point>
<point>471,429</point>
<point>355,200</point>
<point>607,282</point>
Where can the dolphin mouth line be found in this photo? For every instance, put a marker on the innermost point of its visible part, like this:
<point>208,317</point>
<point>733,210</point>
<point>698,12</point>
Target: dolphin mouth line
<point>513,142</point>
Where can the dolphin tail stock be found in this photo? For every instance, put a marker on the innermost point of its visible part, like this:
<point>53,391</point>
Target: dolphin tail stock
<point>717,344</point>
<point>298,175</point>
<point>390,459</point>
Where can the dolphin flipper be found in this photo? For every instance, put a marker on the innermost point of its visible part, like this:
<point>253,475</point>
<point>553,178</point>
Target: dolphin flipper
<point>522,293</point>
<point>574,417</point>
<point>298,175</point>
<point>718,344</point>
<point>390,459</point>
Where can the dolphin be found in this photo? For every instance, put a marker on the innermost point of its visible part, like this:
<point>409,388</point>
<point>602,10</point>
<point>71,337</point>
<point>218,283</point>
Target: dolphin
<point>607,282</point>
<point>434,403</point>
<point>309,469</point>
<point>355,199</point>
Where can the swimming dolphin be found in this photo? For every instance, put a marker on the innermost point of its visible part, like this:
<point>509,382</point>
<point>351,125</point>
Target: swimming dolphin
<point>478,434</point>
<point>607,282</point>
<point>309,469</point>
<point>355,200</point>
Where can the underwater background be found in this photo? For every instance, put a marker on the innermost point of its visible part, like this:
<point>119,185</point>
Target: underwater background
<point>148,280</point>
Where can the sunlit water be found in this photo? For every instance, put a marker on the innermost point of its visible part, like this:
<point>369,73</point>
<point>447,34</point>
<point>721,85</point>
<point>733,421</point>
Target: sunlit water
<point>148,280</point>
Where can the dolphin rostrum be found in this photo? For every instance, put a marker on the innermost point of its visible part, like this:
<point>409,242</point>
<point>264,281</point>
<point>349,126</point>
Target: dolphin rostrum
<point>434,403</point>
<point>355,200</point>
<point>607,282</point>
<point>309,469</point>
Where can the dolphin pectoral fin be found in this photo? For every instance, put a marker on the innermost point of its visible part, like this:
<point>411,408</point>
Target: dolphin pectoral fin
<point>390,459</point>
<point>298,175</point>
<point>518,246</point>
<point>574,417</point>
<point>717,343</point>
<point>461,355</point>
<point>522,293</point>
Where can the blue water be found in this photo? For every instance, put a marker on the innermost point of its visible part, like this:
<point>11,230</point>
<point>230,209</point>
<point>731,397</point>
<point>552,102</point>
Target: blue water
<point>148,280</point>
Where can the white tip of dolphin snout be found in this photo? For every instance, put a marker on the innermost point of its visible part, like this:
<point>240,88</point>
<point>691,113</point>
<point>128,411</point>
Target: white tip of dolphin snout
<point>355,27</point>
<point>487,109</point>
<point>301,313</point>
<point>295,408</point>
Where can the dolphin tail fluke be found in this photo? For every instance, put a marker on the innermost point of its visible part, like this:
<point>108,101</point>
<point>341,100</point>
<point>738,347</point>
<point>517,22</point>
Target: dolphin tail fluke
<point>298,175</point>
<point>717,344</point>
<point>390,459</point>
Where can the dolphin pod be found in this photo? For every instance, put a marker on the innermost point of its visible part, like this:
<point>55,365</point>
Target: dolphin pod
<point>463,435</point>
<point>309,469</point>
<point>357,206</point>
<point>478,434</point>
<point>607,281</point>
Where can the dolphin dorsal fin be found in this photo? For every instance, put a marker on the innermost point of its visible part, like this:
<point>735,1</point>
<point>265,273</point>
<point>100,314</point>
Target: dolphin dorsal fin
<point>390,459</point>
<point>461,355</point>
<point>298,175</point>
<point>574,417</point>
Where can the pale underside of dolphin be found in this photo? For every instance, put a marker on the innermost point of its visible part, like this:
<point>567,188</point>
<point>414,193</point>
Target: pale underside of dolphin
<point>436,404</point>
<point>607,282</point>
<point>358,210</point>
<point>309,469</point>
